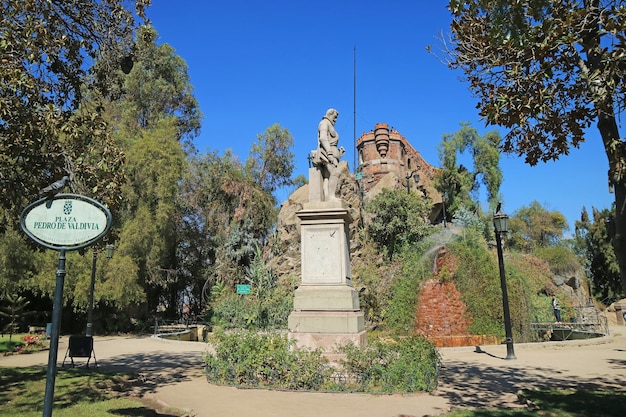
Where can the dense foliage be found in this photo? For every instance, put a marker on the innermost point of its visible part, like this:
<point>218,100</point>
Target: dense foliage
<point>266,307</point>
<point>402,364</point>
<point>415,268</point>
<point>158,87</point>
<point>270,360</point>
<point>118,115</point>
<point>478,281</point>
<point>398,219</point>
<point>594,243</point>
<point>271,159</point>
<point>472,266</point>
<point>459,184</point>
<point>52,54</point>
<point>536,227</point>
<point>267,360</point>
<point>546,70</point>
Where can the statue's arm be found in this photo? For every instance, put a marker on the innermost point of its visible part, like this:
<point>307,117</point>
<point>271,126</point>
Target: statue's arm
<point>324,138</point>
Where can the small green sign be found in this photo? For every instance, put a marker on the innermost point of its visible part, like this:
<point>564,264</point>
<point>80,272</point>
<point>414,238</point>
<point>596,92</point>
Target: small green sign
<point>243,289</point>
<point>358,176</point>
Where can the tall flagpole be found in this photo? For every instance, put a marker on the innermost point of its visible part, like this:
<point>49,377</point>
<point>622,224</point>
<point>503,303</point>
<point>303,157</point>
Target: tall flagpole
<point>354,120</point>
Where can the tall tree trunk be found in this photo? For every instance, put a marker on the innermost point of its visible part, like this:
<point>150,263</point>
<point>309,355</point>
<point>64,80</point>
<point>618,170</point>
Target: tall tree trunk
<point>616,152</point>
<point>619,241</point>
<point>614,147</point>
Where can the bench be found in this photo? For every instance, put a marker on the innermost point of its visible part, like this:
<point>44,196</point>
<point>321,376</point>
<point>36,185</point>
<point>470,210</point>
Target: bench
<point>36,329</point>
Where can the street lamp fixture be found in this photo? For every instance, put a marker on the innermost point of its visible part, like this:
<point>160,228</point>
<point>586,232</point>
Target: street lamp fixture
<point>501,225</point>
<point>109,249</point>
<point>416,178</point>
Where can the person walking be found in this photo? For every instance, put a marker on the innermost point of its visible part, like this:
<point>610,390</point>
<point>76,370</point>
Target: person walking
<point>556,309</point>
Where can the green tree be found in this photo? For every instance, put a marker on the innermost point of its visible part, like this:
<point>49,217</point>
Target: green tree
<point>93,158</point>
<point>148,235</point>
<point>535,227</point>
<point>18,261</point>
<point>457,183</point>
<point>50,53</point>
<point>271,159</point>
<point>229,214</point>
<point>594,243</point>
<point>13,311</point>
<point>157,87</point>
<point>155,115</point>
<point>546,71</point>
<point>398,219</point>
<point>266,307</point>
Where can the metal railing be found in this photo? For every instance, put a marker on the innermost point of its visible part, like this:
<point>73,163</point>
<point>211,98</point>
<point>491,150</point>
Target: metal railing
<point>162,326</point>
<point>587,323</point>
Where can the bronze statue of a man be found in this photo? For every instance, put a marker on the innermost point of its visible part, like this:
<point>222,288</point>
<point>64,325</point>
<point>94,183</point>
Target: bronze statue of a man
<point>326,159</point>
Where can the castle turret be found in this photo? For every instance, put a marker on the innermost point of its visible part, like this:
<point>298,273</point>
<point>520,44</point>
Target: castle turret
<point>384,150</point>
<point>381,138</point>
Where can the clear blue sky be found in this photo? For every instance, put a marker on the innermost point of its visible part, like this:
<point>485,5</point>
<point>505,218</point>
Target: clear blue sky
<point>253,64</point>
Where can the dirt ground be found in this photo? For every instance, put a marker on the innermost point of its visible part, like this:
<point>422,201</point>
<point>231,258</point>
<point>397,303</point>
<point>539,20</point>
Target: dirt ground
<point>172,376</point>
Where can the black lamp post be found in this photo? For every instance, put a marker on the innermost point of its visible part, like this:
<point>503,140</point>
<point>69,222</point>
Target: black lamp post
<point>443,204</point>
<point>109,249</point>
<point>416,178</point>
<point>501,225</point>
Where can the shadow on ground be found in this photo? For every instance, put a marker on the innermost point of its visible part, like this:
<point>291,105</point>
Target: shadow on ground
<point>157,369</point>
<point>479,386</point>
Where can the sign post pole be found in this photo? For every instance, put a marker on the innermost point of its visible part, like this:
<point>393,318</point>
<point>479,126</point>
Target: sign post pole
<point>54,336</point>
<point>64,222</point>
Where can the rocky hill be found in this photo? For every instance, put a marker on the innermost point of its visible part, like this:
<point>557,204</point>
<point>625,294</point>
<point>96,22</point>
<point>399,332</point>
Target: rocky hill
<point>569,284</point>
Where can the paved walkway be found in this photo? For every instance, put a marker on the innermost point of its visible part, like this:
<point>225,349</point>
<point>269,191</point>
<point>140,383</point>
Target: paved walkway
<point>172,374</point>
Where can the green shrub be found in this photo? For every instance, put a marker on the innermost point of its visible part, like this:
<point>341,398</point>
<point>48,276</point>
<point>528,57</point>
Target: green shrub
<point>561,260</point>
<point>264,360</point>
<point>270,360</point>
<point>398,220</point>
<point>400,317</point>
<point>266,307</point>
<point>522,305</point>
<point>405,364</point>
<point>416,267</point>
<point>527,279</point>
<point>233,311</point>
<point>479,283</point>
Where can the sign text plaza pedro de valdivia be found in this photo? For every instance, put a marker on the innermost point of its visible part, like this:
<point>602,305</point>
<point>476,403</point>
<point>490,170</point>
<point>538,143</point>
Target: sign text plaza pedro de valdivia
<point>67,221</point>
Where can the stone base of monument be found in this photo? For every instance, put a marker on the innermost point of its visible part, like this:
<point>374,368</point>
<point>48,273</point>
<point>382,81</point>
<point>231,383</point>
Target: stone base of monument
<point>326,322</point>
<point>326,312</point>
<point>327,330</point>
<point>326,297</point>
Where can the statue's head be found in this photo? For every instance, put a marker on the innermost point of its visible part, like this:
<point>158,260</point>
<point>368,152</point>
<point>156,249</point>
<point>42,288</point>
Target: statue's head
<point>331,114</point>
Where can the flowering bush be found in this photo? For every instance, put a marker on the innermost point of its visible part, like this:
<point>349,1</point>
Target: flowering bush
<point>30,343</point>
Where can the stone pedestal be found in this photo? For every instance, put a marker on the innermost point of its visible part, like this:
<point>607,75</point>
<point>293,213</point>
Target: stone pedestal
<point>326,311</point>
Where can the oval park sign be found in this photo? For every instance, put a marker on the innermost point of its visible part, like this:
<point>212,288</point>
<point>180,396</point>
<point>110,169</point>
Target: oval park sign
<point>66,221</point>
